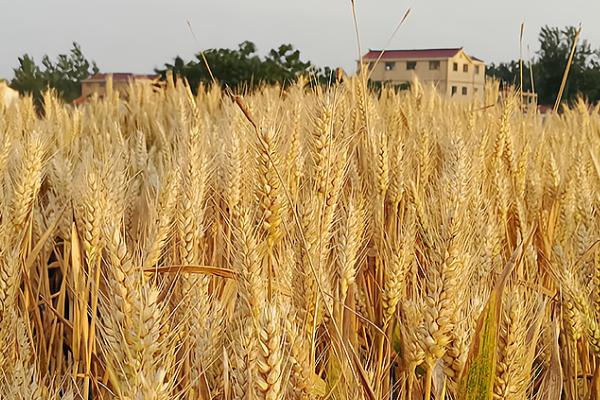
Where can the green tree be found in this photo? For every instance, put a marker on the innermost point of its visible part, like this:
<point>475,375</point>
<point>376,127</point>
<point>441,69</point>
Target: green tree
<point>284,64</point>
<point>508,73</point>
<point>64,75</point>
<point>549,66</point>
<point>555,48</point>
<point>243,68</point>
<point>28,77</point>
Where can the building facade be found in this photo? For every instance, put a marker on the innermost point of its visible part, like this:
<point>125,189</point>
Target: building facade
<point>452,71</point>
<point>98,84</point>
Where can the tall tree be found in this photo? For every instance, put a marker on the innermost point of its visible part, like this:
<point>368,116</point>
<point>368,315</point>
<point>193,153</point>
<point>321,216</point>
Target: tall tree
<point>508,73</point>
<point>28,77</point>
<point>64,75</point>
<point>555,48</point>
<point>549,66</point>
<point>243,68</point>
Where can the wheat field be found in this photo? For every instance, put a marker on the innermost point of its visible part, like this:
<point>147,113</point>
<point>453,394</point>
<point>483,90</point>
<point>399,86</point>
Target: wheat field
<point>299,243</point>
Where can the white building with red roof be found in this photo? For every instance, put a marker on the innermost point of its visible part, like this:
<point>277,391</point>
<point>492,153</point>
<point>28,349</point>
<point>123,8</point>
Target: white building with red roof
<point>452,71</point>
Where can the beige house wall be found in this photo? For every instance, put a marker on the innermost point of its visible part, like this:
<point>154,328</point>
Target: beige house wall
<point>90,87</point>
<point>472,80</point>
<point>444,78</point>
<point>400,72</point>
<point>98,86</point>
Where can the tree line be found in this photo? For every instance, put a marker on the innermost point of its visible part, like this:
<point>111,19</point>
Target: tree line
<point>244,69</point>
<point>543,74</point>
<point>63,75</point>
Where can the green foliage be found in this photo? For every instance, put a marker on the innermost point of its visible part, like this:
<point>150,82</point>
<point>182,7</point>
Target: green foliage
<point>64,75</point>
<point>28,77</point>
<point>508,73</point>
<point>243,68</point>
<point>584,76</point>
<point>549,66</point>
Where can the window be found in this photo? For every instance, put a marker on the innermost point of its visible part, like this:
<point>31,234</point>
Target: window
<point>475,90</point>
<point>455,67</point>
<point>434,65</point>
<point>389,65</point>
<point>454,89</point>
<point>477,69</point>
<point>466,68</point>
<point>411,65</point>
<point>464,90</point>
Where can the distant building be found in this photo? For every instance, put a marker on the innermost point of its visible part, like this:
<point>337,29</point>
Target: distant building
<point>527,99</point>
<point>7,94</point>
<point>97,84</point>
<point>452,71</point>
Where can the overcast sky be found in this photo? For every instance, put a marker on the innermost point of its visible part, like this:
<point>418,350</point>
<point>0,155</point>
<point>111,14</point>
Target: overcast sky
<point>139,35</point>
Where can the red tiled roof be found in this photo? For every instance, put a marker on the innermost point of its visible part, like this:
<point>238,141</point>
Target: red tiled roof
<point>120,76</point>
<point>414,53</point>
<point>81,100</point>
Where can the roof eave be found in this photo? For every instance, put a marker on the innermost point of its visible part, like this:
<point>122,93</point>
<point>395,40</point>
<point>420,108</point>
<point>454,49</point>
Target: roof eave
<point>407,58</point>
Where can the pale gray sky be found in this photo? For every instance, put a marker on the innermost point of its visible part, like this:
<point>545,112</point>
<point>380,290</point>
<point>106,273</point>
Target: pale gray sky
<point>136,35</point>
